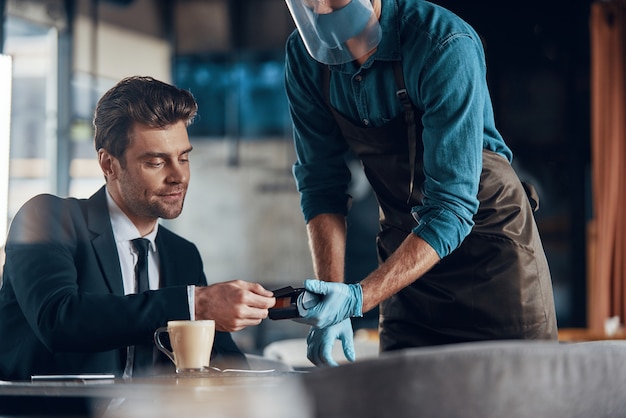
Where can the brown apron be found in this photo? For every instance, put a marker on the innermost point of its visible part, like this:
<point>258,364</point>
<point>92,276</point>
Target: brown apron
<point>496,285</point>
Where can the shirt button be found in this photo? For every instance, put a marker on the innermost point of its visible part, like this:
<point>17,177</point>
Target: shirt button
<point>358,78</point>
<point>366,122</point>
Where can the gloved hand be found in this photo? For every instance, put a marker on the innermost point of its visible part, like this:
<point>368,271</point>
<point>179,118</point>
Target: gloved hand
<point>339,302</point>
<point>320,343</point>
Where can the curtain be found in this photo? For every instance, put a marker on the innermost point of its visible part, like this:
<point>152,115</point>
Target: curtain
<point>606,290</point>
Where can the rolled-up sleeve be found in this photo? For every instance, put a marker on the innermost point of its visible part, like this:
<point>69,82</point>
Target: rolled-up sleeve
<point>453,142</point>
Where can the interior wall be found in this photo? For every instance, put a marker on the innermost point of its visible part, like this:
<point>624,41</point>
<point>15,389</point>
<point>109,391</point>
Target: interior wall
<point>119,52</point>
<point>147,17</point>
<point>202,26</point>
<point>212,26</point>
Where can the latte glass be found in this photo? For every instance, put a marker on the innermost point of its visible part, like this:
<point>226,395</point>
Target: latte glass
<point>191,341</point>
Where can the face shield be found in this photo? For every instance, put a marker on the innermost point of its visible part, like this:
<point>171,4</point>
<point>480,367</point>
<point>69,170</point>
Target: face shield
<point>336,31</point>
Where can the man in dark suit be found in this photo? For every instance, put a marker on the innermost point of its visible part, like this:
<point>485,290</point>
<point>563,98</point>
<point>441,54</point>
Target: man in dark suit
<point>68,302</point>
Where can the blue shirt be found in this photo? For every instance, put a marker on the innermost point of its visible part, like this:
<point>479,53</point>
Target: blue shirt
<point>445,73</point>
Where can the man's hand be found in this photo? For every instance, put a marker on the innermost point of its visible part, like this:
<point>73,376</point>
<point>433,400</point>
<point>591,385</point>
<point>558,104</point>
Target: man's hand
<point>320,343</point>
<point>233,305</point>
<point>339,302</point>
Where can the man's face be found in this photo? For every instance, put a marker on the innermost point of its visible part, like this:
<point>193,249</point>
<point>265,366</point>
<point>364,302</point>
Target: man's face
<point>154,180</point>
<point>325,6</point>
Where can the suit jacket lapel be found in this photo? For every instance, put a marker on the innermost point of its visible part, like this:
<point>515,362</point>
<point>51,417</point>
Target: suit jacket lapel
<point>103,240</point>
<point>166,265</point>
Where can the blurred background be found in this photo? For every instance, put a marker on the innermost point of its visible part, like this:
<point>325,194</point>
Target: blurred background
<point>242,208</point>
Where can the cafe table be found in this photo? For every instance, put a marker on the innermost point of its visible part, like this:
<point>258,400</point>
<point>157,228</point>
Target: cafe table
<point>211,394</point>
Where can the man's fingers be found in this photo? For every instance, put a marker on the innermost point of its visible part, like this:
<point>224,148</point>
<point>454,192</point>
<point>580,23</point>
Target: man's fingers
<point>262,302</point>
<point>233,325</point>
<point>233,305</point>
<point>250,294</point>
<point>253,287</point>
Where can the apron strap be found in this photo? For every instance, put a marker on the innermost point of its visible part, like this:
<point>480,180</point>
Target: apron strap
<point>326,84</point>
<point>409,116</point>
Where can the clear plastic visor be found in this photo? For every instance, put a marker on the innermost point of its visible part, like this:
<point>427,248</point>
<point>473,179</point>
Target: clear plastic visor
<point>336,31</point>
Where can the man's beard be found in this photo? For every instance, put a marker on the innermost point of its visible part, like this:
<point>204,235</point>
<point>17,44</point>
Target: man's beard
<point>153,206</point>
<point>160,210</point>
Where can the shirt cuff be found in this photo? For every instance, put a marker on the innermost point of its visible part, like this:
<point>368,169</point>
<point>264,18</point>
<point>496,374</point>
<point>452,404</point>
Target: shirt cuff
<point>191,300</point>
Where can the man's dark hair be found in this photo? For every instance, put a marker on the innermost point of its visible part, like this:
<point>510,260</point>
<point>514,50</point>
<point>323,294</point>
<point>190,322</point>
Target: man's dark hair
<point>143,100</point>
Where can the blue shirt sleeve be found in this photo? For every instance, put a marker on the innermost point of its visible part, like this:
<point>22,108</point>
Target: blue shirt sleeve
<point>321,173</point>
<point>452,94</point>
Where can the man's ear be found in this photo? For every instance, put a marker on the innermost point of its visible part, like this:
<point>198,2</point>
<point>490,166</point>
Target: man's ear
<point>106,162</point>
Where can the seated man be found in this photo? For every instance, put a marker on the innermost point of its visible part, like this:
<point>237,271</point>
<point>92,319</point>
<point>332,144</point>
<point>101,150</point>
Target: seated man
<point>68,301</point>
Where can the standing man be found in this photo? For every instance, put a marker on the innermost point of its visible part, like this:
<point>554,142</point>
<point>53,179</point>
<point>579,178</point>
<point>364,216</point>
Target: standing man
<point>69,303</point>
<point>402,83</point>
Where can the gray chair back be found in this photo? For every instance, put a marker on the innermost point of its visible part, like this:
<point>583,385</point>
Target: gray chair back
<point>497,379</point>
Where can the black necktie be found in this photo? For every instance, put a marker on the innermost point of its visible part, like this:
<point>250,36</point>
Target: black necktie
<point>141,268</point>
<point>143,354</point>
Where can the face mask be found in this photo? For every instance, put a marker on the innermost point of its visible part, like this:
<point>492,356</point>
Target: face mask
<point>342,24</point>
<point>324,35</point>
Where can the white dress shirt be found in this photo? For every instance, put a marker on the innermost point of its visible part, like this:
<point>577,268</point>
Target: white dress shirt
<point>124,231</point>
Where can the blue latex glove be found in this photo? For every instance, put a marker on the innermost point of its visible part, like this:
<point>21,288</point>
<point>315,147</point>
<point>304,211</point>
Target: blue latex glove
<point>339,302</point>
<point>320,343</point>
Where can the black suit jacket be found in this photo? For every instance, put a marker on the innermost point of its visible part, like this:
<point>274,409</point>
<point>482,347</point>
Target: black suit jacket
<point>62,303</point>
